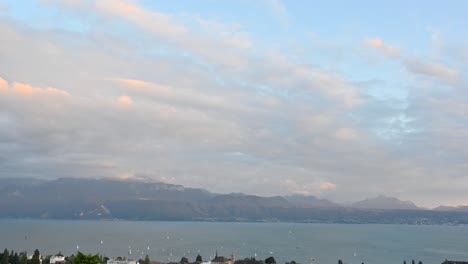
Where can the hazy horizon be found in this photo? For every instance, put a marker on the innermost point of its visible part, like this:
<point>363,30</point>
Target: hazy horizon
<point>340,100</point>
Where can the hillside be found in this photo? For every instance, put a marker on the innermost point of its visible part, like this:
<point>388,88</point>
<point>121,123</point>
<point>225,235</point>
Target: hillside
<point>139,200</point>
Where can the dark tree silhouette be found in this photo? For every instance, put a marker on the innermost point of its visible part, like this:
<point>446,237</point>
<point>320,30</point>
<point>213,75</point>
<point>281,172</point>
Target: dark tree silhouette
<point>270,260</point>
<point>5,257</point>
<point>36,259</point>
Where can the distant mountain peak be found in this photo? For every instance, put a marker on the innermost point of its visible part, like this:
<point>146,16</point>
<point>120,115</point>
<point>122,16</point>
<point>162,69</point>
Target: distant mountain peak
<point>446,208</point>
<point>384,202</point>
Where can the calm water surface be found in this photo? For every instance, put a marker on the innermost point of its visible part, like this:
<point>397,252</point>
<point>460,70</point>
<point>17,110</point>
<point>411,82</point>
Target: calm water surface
<point>379,244</point>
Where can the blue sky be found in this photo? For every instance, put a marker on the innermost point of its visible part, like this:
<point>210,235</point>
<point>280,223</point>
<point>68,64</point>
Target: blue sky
<point>342,100</point>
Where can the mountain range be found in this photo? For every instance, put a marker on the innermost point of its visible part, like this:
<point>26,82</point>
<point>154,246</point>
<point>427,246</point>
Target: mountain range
<point>84,198</point>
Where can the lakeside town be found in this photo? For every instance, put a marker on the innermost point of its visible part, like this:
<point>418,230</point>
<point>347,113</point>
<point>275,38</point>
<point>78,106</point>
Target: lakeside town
<point>12,257</point>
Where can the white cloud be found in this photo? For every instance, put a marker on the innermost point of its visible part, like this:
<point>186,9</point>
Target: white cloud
<point>220,46</point>
<point>346,133</point>
<point>433,69</point>
<point>279,10</point>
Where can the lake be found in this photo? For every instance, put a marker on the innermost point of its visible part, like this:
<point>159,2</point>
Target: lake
<point>169,241</point>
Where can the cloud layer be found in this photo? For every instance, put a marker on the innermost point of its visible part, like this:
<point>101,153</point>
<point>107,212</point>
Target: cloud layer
<point>126,90</point>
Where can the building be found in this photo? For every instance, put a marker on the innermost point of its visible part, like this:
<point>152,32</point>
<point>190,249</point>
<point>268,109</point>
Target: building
<point>223,260</point>
<point>57,260</point>
<point>454,262</point>
<point>121,261</point>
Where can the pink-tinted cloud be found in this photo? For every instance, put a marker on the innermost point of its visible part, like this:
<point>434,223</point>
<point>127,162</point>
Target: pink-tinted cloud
<point>125,100</point>
<point>378,44</point>
<point>29,90</point>
<point>149,20</point>
<point>139,84</point>
<point>3,84</point>
<point>327,186</point>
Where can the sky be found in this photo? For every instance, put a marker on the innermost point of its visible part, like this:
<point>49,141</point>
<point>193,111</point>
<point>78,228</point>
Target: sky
<point>342,100</point>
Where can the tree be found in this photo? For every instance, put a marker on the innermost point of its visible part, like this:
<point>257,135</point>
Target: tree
<point>270,260</point>
<point>420,262</point>
<point>199,258</point>
<point>413,262</point>
<point>46,260</point>
<point>147,260</point>
<point>340,261</point>
<point>24,258</point>
<point>5,257</point>
<point>404,262</point>
<point>81,258</point>
<point>183,260</point>
<point>36,259</point>
<point>15,259</point>
<point>69,260</point>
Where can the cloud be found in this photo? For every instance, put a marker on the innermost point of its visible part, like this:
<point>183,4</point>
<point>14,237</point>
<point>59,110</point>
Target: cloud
<point>3,84</point>
<point>208,44</point>
<point>279,10</point>
<point>141,85</point>
<point>202,88</point>
<point>388,50</point>
<point>433,69</point>
<point>346,134</point>
<point>125,100</point>
<point>70,3</point>
<point>133,82</point>
<point>29,90</point>
<point>327,185</point>
<point>149,20</point>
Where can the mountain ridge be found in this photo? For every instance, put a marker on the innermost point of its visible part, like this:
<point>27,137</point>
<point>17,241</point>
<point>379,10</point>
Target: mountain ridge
<point>384,202</point>
<point>76,198</point>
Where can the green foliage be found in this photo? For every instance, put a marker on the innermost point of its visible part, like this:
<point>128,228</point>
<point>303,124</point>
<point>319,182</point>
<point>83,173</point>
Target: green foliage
<point>270,260</point>
<point>5,257</point>
<point>81,258</point>
<point>413,262</point>
<point>36,259</point>
<point>15,259</point>
<point>420,262</point>
<point>404,262</point>
<point>69,260</point>
<point>46,259</point>
<point>340,261</point>
<point>23,258</point>
<point>199,258</point>
<point>184,260</point>
<point>147,260</point>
